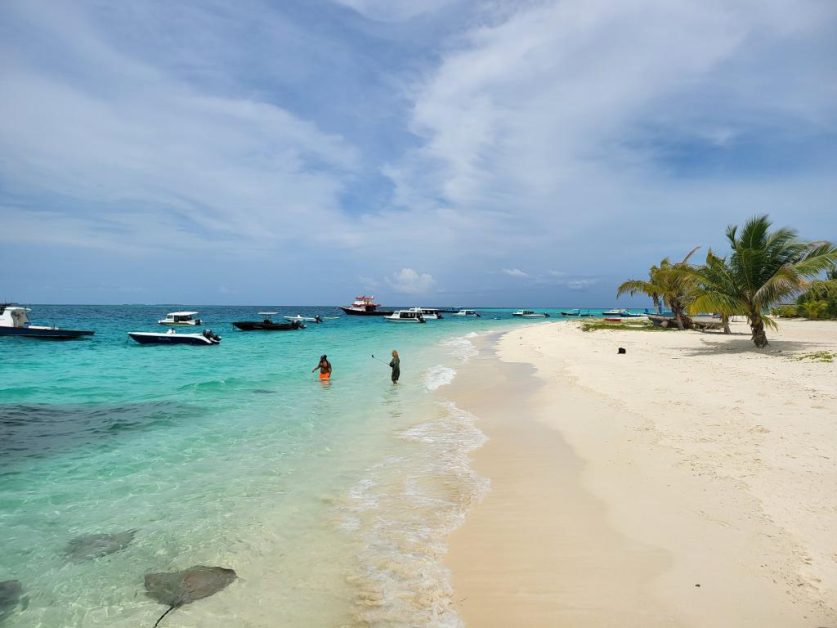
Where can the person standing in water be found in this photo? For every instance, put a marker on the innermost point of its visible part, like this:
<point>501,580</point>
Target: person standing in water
<point>325,368</point>
<point>395,365</point>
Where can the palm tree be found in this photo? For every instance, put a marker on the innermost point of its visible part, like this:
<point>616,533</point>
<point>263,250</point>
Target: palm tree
<point>714,289</point>
<point>667,283</point>
<point>763,270</point>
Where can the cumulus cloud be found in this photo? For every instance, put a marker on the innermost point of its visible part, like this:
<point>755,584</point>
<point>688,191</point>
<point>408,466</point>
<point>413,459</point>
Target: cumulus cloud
<point>409,281</point>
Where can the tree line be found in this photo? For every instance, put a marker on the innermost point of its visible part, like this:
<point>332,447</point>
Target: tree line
<point>763,269</point>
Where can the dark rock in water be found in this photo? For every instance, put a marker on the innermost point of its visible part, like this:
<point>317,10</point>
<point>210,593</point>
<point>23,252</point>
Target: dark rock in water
<point>263,391</point>
<point>184,587</point>
<point>10,592</point>
<point>90,546</point>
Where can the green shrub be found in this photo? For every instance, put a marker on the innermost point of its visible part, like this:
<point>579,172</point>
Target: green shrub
<point>786,311</point>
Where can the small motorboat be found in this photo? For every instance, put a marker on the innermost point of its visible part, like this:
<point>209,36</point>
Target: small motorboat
<point>268,324</point>
<point>472,313</point>
<point>412,315</point>
<point>176,319</point>
<point>530,314</point>
<point>14,321</point>
<point>171,337</point>
<point>571,313</point>
<point>621,313</point>
<point>299,318</point>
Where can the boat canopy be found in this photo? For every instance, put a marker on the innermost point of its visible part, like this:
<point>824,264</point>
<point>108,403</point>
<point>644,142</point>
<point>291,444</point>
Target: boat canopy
<point>267,313</point>
<point>181,313</point>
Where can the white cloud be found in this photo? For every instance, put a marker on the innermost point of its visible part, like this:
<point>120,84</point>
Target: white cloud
<point>408,281</point>
<point>395,10</point>
<point>514,272</point>
<point>556,126</point>
<point>226,169</point>
<point>581,284</point>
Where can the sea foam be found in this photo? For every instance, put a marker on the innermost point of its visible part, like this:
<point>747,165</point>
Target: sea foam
<point>438,376</point>
<point>462,348</point>
<point>402,512</point>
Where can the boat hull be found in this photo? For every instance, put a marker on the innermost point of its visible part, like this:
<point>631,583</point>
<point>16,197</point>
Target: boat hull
<point>265,326</point>
<point>352,312</point>
<point>45,333</point>
<point>145,338</point>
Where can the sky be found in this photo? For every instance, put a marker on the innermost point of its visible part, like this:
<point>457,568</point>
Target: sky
<point>445,152</point>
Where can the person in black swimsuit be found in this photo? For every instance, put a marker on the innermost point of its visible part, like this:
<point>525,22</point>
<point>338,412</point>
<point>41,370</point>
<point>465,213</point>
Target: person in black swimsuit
<point>395,365</point>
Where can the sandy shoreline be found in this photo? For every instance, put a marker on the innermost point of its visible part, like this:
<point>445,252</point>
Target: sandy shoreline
<point>690,482</point>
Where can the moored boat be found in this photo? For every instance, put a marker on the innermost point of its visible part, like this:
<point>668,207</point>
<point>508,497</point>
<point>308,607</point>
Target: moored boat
<point>268,324</point>
<point>14,321</point>
<point>180,318</point>
<point>429,313</point>
<point>365,306</point>
<point>530,314</point>
<point>621,313</point>
<point>472,313</point>
<point>413,315</point>
<point>571,313</point>
<point>299,318</point>
<point>171,337</point>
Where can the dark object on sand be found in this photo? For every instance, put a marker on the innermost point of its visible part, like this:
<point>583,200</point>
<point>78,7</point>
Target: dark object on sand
<point>622,350</point>
<point>178,588</point>
<point>90,546</point>
<point>10,592</point>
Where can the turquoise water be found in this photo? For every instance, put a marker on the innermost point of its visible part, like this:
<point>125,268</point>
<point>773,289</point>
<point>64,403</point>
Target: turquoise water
<point>331,501</point>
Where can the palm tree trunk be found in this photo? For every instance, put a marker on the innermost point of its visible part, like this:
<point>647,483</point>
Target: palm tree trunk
<point>757,327</point>
<point>725,321</point>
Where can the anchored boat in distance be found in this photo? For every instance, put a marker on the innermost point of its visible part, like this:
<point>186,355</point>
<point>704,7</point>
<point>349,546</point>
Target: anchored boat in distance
<point>268,324</point>
<point>365,306</point>
<point>180,318</point>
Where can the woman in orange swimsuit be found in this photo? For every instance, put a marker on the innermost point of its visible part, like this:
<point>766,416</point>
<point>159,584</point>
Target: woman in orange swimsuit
<point>325,368</point>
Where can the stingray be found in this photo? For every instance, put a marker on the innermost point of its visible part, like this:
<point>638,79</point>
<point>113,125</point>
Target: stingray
<point>178,588</point>
<point>89,546</point>
<point>10,592</point>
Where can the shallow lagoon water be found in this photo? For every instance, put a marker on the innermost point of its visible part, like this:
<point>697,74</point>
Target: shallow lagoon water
<point>331,501</point>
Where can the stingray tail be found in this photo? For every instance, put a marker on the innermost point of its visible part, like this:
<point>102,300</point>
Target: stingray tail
<point>170,609</point>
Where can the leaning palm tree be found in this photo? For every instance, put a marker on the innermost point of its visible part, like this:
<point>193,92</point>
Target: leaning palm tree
<point>667,283</point>
<point>764,268</point>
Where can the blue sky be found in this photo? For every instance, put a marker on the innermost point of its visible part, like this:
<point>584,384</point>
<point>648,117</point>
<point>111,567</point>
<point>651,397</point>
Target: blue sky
<point>438,152</point>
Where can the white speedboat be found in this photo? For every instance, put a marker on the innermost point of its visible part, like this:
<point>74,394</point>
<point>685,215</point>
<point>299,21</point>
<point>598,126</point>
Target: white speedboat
<point>473,313</point>
<point>171,337</point>
<point>14,321</point>
<point>180,318</point>
<point>621,313</point>
<point>299,318</point>
<point>413,315</point>
<point>530,314</point>
<point>429,313</point>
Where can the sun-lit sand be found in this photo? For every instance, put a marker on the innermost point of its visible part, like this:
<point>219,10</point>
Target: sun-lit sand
<point>689,482</point>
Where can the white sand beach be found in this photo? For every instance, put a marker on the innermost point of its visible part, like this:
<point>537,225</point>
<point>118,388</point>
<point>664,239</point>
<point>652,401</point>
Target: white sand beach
<point>689,482</point>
